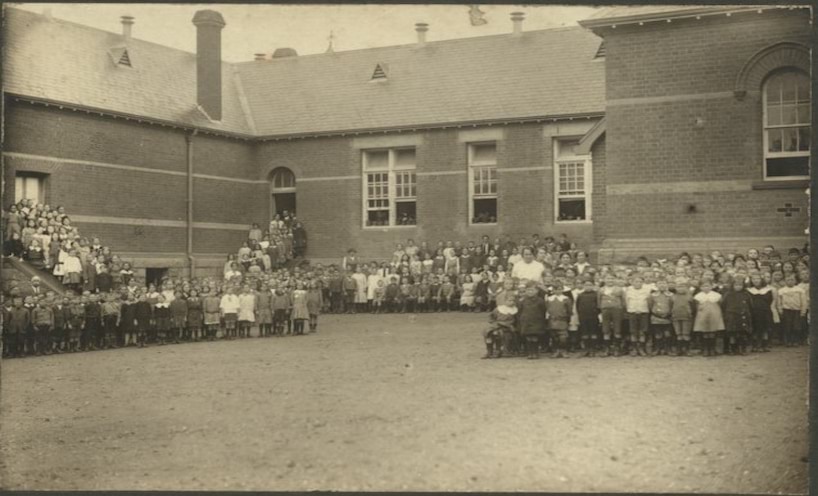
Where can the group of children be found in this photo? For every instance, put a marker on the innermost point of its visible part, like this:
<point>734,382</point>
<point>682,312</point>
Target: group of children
<point>44,237</point>
<point>666,307</point>
<point>284,240</point>
<point>135,315</point>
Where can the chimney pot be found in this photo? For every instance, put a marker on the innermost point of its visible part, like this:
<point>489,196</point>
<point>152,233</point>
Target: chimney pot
<point>260,56</point>
<point>284,52</point>
<point>209,24</point>
<point>127,23</point>
<point>421,28</point>
<point>517,19</point>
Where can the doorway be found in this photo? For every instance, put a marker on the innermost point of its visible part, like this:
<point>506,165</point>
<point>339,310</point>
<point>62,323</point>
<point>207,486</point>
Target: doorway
<point>282,189</point>
<point>154,275</point>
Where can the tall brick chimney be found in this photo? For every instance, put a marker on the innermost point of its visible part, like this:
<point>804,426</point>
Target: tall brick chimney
<point>209,24</point>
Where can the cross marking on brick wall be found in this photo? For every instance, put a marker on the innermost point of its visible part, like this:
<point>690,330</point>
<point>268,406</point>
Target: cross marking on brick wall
<point>788,210</point>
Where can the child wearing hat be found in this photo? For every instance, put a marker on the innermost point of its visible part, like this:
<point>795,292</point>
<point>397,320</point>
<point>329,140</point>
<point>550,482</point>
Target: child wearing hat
<point>559,308</point>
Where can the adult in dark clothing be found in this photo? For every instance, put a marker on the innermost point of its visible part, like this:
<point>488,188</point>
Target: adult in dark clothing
<point>299,240</point>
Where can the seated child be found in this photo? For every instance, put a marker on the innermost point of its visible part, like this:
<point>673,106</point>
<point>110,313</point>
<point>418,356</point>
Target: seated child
<point>501,329</point>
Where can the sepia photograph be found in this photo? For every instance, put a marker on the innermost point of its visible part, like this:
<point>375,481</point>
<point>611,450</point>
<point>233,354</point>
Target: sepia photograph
<point>406,247</point>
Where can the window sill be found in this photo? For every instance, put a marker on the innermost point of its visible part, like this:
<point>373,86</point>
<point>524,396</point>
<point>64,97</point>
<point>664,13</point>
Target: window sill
<point>573,222</point>
<point>782,184</point>
<point>480,224</point>
<point>387,228</point>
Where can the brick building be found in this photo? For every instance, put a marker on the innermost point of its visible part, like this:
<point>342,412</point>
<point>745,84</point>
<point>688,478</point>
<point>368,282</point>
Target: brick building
<point>629,133</point>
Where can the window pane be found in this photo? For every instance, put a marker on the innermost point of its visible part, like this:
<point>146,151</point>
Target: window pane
<point>405,158</point>
<point>774,140</point>
<point>571,209</point>
<point>803,139</point>
<point>803,114</point>
<point>773,115</point>
<point>406,213</point>
<point>485,211</point>
<point>377,160</point>
<point>788,90</point>
<point>484,154</point>
<point>774,90</point>
<point>377,218</point>
<point>788,114</point>
<point>789,166</point>
<point>803,89</point>
<point>790,141</point>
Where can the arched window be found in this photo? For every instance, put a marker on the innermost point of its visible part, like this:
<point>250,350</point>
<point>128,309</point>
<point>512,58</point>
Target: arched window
<point>282,178</point>
<point>786,125</point>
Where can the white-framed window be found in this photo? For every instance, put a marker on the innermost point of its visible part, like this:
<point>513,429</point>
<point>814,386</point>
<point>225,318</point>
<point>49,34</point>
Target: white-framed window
<point>786,126</point>
<point>482,183</point>
<point>572,183</point>
<point>30,186</point>
<point>390,187</point>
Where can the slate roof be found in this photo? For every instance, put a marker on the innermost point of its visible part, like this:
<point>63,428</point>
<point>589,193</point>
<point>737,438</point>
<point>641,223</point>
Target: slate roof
<point>67,62</point>
<point>539,74</point>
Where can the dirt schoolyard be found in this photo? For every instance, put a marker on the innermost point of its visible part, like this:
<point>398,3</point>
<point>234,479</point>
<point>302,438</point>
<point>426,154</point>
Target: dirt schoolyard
<point>401,402</point>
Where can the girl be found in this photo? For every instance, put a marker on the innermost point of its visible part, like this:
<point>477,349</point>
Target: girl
<point>264,311</point>
<point>531,317</point>
<point>438,262</point>
<point>423,291</point>
<point>127,321</point>
<point>427,264</point>
<point>162,319</point>
<point>28,232</point>
<point>195,315</point>
<point>467,294</point>
<point>709,320</point>
<point>793,304</point>
<point>360,297</point>
<point>300,311</point>
<point>371,284</point>
<point>126,273</point>
<point>229,308</point>
<point>247,311</point>
<point>315,301</point>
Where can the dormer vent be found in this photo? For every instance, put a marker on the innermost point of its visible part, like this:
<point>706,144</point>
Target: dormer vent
<point>125,59</point>
<point>380,72</point>
<point>600,52</point>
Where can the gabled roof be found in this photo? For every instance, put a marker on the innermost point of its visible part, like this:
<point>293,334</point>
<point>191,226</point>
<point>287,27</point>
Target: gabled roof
<point>65,62</point>
<point>546,73</point>
<point>541,73</point>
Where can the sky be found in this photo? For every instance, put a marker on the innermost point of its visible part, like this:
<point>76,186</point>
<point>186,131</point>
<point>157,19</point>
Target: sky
<point>263,28</point>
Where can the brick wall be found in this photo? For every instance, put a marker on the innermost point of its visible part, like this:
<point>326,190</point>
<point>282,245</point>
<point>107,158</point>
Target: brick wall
<point>677,137</point>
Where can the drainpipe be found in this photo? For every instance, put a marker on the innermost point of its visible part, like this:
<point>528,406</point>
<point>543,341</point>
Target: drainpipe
<point>191,261</point>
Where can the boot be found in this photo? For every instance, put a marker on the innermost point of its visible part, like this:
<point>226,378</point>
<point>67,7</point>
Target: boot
<point>489,350</point>
<point>640,349</point>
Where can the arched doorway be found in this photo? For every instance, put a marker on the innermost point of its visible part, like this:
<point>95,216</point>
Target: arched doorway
<point>282,191</point>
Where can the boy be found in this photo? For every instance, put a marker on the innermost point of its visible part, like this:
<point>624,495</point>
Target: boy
<point>660,303</point>
<point>143,314</point>
<point>391,295</point>
<point>62,317</point>
<point>16,325</point>
<point>178,315</point>
<point>587,304</point>
<point>636,304</point>
<point>350,287</point>
<point>377,301</point>
<point>76,324</point>
<point>611,305</point>
<point>532,312</point>
<point>559,308</point>
<point>92,337</point>
<point>280,304</point>
<point>42,319</point>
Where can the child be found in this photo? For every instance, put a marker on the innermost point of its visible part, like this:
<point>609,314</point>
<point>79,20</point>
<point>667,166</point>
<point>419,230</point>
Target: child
<point>76,324</point>
<point>434,294</point>
<point>447,291</point>
<point>467,294</point>
<point>709,320</point>
<point>162,318</point>
<point>481,293</point>
<point>314,303</point>
<point>636,304</point>
<point>681,315</point>
<point>587,305</point>
<point>761,304</point>
<point>127,321</point>
<point>559,307</point>
<point>380,292</point>
<point>62,318</point>
<point>247,311</point>
<point>737,309</point>
<point>497,337</point>
<point>211,304</point>
<point>793,304</point>
<point>391,295</point>
<point>300,313</point>
<point>110,321</point>
<point>178,315</point>
<point>660,303</point>
<point>93,324</point>
<point>16,323</point>
<point>350,289</point>
<point>532,311</point>
<point>264,311</point>
<point>280,304</point>
<point>195,315</point>
<point>612,306</point>
<point>42,318</point>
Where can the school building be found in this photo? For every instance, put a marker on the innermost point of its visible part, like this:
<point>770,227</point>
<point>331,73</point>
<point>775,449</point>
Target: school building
<point>645,130</point>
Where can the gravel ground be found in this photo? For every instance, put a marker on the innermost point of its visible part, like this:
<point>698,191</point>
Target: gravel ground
<point>401,402</point>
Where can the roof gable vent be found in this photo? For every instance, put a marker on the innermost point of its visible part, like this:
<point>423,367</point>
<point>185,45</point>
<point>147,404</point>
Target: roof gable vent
<point>125,59</point>
<point>600,52</point>
<point>380,72</point>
